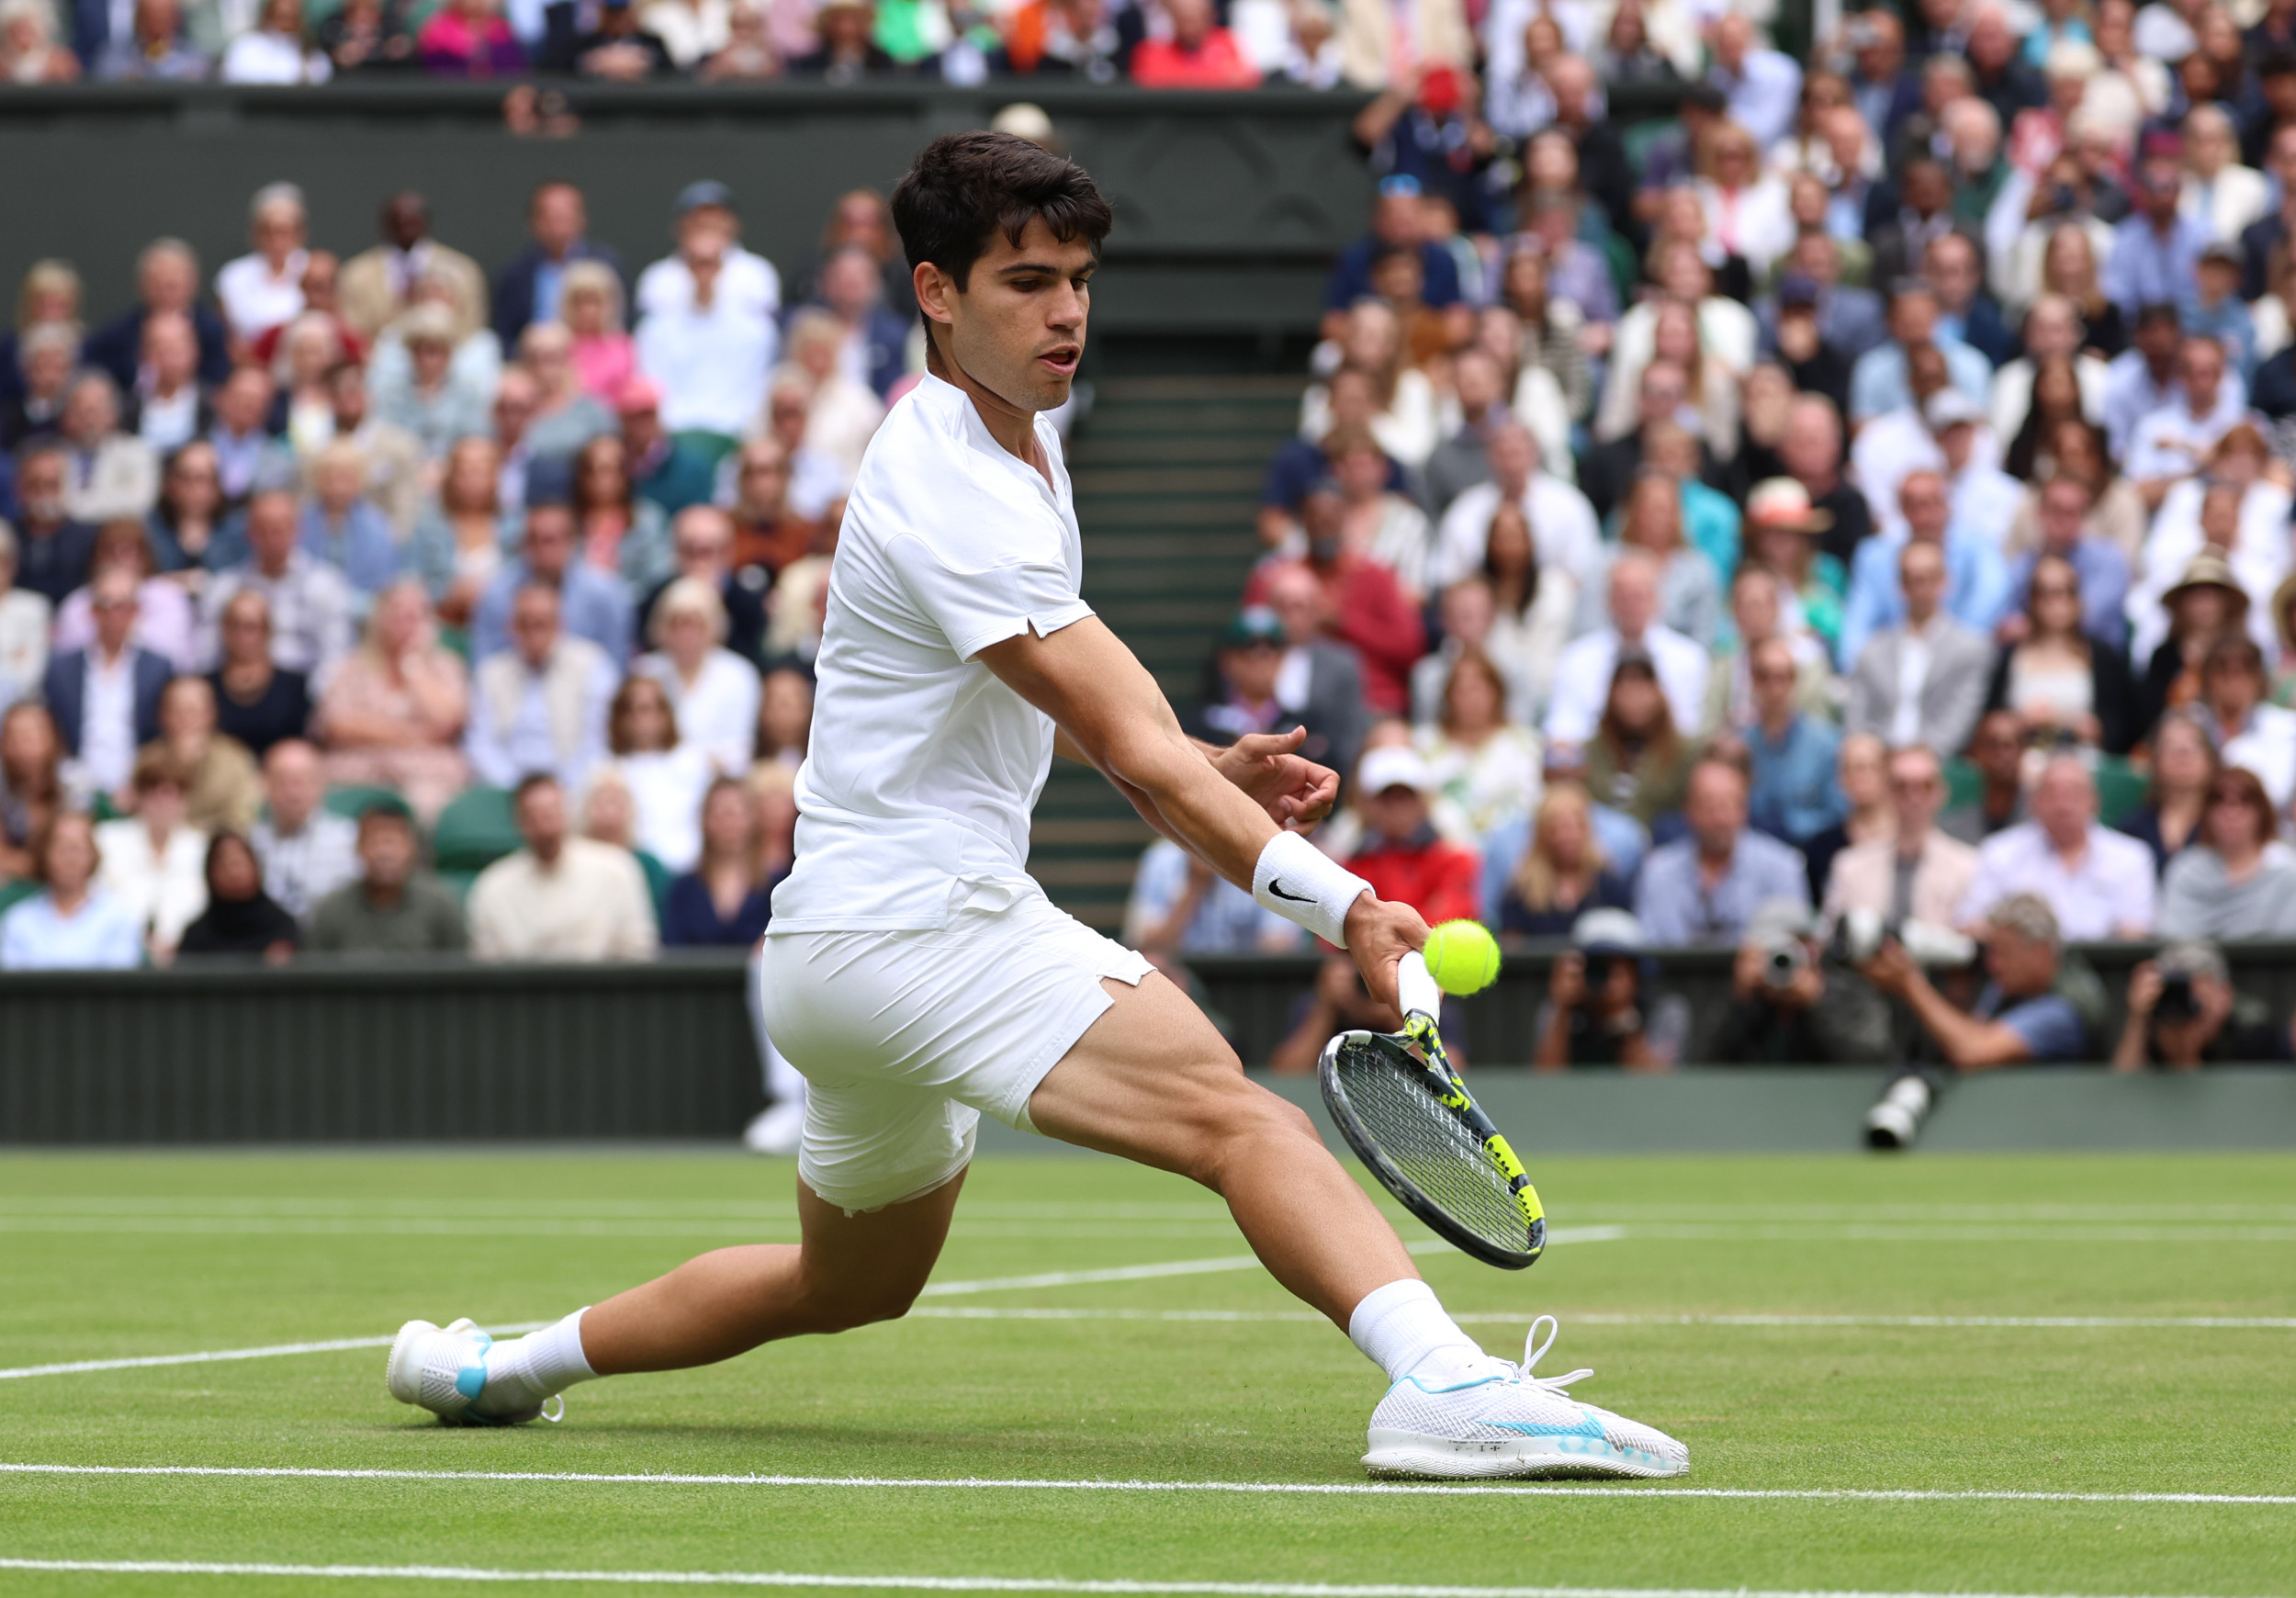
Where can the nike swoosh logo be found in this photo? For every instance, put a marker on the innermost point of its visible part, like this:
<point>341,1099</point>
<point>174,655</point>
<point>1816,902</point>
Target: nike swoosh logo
<point>1276,886</point>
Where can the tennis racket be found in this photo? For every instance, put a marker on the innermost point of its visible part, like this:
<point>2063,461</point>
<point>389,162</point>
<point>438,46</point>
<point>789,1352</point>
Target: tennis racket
<point>1412,1121</point>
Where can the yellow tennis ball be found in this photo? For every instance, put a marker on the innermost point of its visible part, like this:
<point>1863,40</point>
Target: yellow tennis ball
<point>1462,956</point>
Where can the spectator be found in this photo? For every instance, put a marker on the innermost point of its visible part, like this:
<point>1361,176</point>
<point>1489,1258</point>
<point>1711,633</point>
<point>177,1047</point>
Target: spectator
<point>342,528</point>
<point>264,288</point>
<point>664,773</point>
<point>2096,884</point>
<point>1563,872</point>
<point>2206,606</point>
<point>604,356</point>
<point>256,702</point>
<point>1533,608</point>
<point>726,898</point>
<point>841,410</point>
<point>1638,762</point>
<point>31,782</point>
<point>785,720</point>
<point>390,907</point>
<point>154,859</point>
<point>2248,733</point>
<point>169,404</point>
<point>669,471</point>
<point>1704,889</point>
<point>1402,857</point>
<point>2154,248</point>
<point>2040,1004</point>
<point>1316,682</point>
<point>1600,1007</point>
<point>1997,749</point>
<point>1847,320</point>
<point>708,229</point>
<point>1793,796</point>
<point>306,849</point>
<point>714,692</point>
<point>1745,207</point>
<point>1198,54</point>
<point>1919,873</point>
<point>1923,681</point>
<point>155,50</point>
<point>1789,1006</point>
<point>165,622</point>
<point>1976,582</point>
<point>621,534</point>
<point>1762,84</point>
<point>875,346</point>
<point>167,282</point>
<point>1690,597</point>
<point>48,353</point>
<point>1811,450</point>
<point>2184,771</point>
<point>1180,907</point>
<point>431,400</point>
<point>2062,684</point>
<point>223,793</point>
<point>74,923</point>
<point>1729,704</point>
<point>241,919</point>
<point>1561,520</point>
<point>1467,613</point>
<point>1362,605</point>
<point>621,47</point>
<point>540,705</point>
<point>2102,572</point>
<point>847,52</point>
<point>561,898</point>
<point>592,604</point>
<point>1880,382</point>
<point>273,51</point>
<point>393,713</point>
<point>566,415</point>
<point>466,38</point>
<point>28,50</point>
<point>2234,880</point>
<point>1486,767</point>
<point>52,551</point>
<point>530,288</point>
<point>1587,663</point>
<point>2184,1013</point>
<point>1397,221</point>
<point>459,545</point>
<point>1860,770</point>
<point>368,37</point>
<point>106,698</point>
<point>1404,416</point>
<point>112,474</point>
<point>2174,440</point>
<point>310,603</point>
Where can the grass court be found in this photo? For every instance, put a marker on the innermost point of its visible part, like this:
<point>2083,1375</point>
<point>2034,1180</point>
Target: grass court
<point>2047,1375</point>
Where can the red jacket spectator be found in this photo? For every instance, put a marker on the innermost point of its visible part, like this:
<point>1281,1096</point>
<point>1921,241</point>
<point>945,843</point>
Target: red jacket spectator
<point>1198,55</point>
<point>1402,857</point>
<point>1366,611</point>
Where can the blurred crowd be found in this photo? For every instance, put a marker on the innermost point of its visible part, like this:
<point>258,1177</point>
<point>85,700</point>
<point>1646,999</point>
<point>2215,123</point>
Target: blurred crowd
<point>322,560</point>
<point>1866,493</point>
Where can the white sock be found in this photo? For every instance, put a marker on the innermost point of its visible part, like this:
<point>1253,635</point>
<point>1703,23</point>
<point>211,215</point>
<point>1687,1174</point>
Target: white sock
<point>524,1371</point>
<point>1404,1331</point>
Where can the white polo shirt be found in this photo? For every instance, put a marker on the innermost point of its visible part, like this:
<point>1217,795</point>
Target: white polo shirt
<point>923,767</point>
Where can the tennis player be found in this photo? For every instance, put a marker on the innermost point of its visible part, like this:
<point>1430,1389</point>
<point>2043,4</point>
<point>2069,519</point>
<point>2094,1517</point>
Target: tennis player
<point>917,975</point>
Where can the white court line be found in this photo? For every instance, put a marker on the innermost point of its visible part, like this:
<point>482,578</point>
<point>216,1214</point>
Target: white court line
<point>1117,1589</point>
<point>1272,1488</point>
<point>1510,1318</point>
<point>217,1355</point>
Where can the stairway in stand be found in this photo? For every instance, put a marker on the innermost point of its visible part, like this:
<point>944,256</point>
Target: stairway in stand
<point>1167,473</point>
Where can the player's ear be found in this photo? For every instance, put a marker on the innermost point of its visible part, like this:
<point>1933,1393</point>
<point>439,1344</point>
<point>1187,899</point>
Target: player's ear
<point>935,288</point>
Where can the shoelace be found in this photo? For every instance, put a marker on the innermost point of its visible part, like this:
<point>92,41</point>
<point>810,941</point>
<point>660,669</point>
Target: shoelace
<point>1534,1351</point>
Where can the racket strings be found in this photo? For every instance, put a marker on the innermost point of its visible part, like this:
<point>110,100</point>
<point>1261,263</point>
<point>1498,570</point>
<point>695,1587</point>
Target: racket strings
<point>1429,1145</point>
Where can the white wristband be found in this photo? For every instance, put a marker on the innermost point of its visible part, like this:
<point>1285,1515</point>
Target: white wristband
<point>1304,885</point>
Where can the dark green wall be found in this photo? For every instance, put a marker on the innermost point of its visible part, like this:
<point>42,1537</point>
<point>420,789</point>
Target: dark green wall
<point>1229,207</point>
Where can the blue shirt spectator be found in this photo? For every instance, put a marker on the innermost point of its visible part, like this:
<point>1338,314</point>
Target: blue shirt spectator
<point>1793,796</point>
<point>2154,248</point>
<point>690,915</point>
<point>592,604</point>
<point>1977,579</point>
<point>1704,889</point>
<point>1394,220</point>
<point>1878,384</point>
<point>355,539</point>
<point>1178,907</point>
<point>2104,574</point>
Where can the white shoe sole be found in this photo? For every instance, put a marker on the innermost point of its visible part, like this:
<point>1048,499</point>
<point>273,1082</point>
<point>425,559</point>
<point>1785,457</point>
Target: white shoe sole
<point>1409,1453</point>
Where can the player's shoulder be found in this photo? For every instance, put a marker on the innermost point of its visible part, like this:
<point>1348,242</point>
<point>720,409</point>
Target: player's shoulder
<point>931,473</point>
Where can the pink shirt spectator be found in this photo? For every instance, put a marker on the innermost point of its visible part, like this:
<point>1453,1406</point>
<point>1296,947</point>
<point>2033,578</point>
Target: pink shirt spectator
<point>1216,62</point>
<point>603,364</point>
<point>164,623</point>
<point>467,40</point>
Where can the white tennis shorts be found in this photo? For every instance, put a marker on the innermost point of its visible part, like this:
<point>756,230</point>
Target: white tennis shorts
<point>905,1039</point>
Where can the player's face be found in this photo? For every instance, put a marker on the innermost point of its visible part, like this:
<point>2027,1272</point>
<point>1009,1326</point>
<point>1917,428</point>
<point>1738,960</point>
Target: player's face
<point>1018,326</point>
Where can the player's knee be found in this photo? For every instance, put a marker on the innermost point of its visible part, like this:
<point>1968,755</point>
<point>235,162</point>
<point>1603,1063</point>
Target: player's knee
<point>845,1305</point>
<point>1245,1125</point>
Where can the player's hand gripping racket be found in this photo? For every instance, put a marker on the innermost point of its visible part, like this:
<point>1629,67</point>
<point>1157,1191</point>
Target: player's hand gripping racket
<point>1410,1120</point>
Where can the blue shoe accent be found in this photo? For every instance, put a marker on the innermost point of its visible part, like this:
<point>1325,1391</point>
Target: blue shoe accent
<point>470,1381</point>
<point>1588,1426</point>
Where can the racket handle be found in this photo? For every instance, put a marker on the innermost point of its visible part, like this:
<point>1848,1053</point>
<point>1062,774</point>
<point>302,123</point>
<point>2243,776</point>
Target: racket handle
<point>1416,987</point>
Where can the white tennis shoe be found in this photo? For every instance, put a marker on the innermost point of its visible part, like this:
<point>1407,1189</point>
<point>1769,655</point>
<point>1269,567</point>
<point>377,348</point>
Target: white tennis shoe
<point>442,1369</point>
<point>1513,1425</point>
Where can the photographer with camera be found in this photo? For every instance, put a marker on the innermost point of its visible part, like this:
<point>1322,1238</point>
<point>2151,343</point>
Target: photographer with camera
<point>1789,1006</point>
<point>2040,1005</point>
<point>1601,1009</point>
<point>2184,1013</point>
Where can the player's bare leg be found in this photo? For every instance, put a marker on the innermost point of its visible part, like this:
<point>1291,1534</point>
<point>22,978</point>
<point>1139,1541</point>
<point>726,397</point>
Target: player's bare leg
<point>1152,1081</point>
<point>846,1271</point>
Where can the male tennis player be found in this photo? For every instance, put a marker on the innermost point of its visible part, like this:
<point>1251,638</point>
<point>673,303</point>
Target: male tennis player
<point>918,976</point>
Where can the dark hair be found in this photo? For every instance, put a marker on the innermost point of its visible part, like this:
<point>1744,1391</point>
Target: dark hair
<point>618,734</point>
<point>2237,652</point>
<point>529,783</point>
<point>2241,786</point>
<point>1661,738</point>
<point>966,187</point>
<point>216,845</point>
<point>43,839</point>
<point>2154,312</point>
<point>2079,640</point>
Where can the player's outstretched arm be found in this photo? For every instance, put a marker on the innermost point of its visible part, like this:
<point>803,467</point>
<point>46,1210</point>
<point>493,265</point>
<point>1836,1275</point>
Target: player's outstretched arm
<point>1111,711</point>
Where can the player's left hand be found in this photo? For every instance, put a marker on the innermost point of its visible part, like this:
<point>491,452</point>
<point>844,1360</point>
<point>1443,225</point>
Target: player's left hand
<point>1293,790</point>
